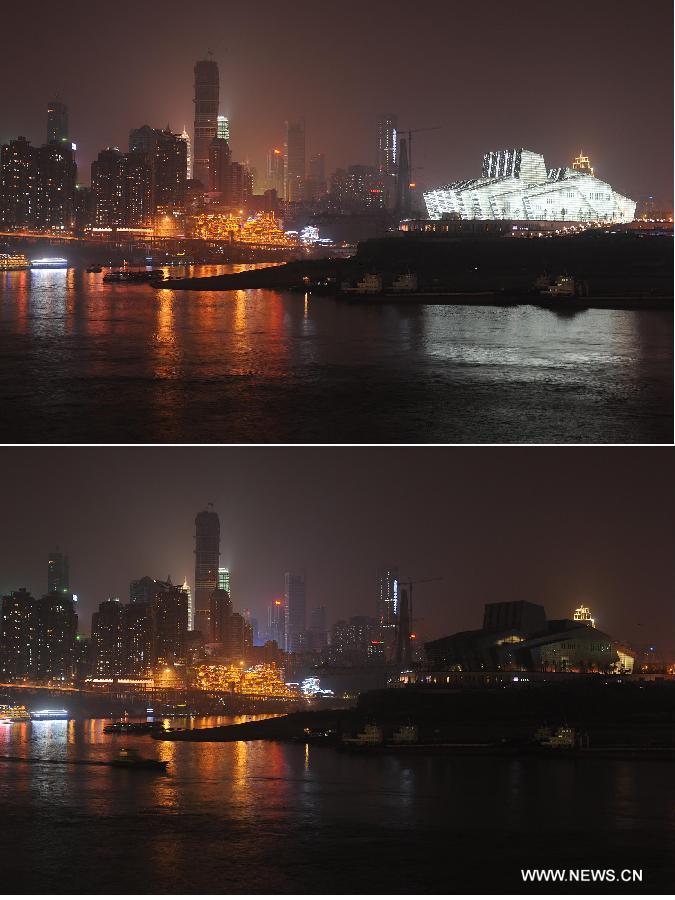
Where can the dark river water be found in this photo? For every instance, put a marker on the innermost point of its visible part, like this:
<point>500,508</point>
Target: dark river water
<point>281,818</point>
<point>81,361</point>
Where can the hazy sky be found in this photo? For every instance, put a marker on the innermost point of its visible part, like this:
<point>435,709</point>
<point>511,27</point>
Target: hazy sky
<point>554,526</point>
<point>546,76</point>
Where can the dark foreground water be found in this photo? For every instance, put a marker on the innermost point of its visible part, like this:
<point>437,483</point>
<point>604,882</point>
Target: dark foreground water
<point>81,361</point>
<point>268,817</point>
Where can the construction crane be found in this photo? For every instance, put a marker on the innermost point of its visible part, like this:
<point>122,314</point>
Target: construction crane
<point>409,132</point>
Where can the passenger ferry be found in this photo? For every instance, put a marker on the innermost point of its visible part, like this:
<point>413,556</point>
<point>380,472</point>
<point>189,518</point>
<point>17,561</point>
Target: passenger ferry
<point>49,262</point>
<point>11,714</point>
<point>48,715</point>
<point>13,261</point>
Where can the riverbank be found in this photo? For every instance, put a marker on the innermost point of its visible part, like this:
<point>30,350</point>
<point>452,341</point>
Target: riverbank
<point>619,271</point>
<point>615,717</point>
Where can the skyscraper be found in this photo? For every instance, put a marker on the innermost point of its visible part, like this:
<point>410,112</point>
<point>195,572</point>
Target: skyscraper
<point>170,623</point>
<point>17,183</point>
<point>387,148</point>
<point>295,597</point>
<point>219,166</point>
<point>224,580</point>
<point>184,136</point>
<point>207,91</point>
<point>221,612</point>
<point>386,604</point>
<point>136,638</point>
<point>58,573</point>
<point>106,639</point>
<point>56,174</point>
<point>207,554</point>
<point>17,633</point>
<point>223,128</point>
<point>295,161</point>
<point>191,605</point>
<point>57,121</point>
<point>55,633</point>
<point>276,623</point>
<point>275,171</point>
<point>387,157</point>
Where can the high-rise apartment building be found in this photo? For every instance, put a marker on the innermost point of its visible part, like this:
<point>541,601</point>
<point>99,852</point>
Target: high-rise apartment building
<point>170,624</point>
<point>57,122</point>
<point>106,640</point>
<point>122,189</point>
<point>207,91</point>
<point>55,179</point>
<point>220,613</point>
<point>166,154</point>
<point>137,638</point>
<point>55,634</point>
<point>207,554</point>
<point>17,635</point>
<point>17,183</point>
<point>220,158</point>
<point>295,161</point>
<point>295,598</point>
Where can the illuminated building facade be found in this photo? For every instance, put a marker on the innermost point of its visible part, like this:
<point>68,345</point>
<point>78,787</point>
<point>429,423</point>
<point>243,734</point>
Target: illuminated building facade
<point>295,599</point>
<point>166,155</point>
<point>260,680</point>
<point>583,614</point>
<point>515,184</point>
<point>386,605</point>
<point>224,580</point>
<point>17,635</point>
<point>223,130</point>
<point>57,122</point>
<point>207,92</point>
<point>207,555</point>
<point>191,610</point>
<point>582,164</point>
<point>295,165</point>
<point>387,158</point>
<point>184,136</point>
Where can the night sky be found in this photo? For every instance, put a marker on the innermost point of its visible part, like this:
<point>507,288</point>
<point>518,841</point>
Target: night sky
<point>549,77</point>
<point>558,526</point>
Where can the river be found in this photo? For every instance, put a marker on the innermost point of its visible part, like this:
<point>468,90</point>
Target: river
<point>279,818</point>
<point>83,361</point>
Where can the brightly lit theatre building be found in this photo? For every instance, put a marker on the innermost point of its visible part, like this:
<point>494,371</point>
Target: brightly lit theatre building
<point>516,185</point>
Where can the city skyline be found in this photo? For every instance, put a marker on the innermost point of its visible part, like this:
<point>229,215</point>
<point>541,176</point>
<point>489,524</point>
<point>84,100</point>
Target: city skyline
<point>546,556</point>
<point>607,103</point>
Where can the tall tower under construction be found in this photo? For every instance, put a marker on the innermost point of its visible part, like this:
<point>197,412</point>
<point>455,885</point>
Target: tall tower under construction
<point>207,554</point>
<point>207,95</point>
